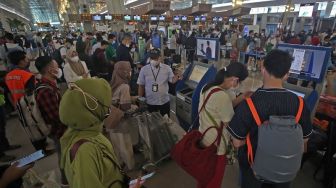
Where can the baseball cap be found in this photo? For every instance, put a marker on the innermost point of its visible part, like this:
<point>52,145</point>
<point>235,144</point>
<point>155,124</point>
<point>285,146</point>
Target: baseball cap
<point>154,53</point>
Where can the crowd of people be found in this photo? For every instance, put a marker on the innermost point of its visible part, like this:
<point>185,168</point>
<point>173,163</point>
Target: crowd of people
<point>36,63</point>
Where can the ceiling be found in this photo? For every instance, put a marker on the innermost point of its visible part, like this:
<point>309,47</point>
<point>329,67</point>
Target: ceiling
<point>36,10</point>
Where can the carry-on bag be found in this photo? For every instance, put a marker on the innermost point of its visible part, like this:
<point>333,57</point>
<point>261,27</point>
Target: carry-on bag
<point>199,161</point>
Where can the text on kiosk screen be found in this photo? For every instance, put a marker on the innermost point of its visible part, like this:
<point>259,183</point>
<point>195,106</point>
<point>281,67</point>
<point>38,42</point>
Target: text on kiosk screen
<point>307,62</point>
<point>198,73</point>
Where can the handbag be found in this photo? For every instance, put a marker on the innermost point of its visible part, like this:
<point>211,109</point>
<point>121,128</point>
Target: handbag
<point>114,118</point>
<point>200,162</point>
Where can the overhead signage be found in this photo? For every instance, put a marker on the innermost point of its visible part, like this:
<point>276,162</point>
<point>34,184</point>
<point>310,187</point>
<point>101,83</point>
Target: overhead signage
<point>306,10</point>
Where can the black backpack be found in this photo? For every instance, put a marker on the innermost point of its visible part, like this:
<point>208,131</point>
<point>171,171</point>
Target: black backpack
<point>58,57</point>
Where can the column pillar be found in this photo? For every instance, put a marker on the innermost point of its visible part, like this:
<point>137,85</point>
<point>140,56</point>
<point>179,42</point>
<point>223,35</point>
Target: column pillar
<point>255,19</point>
<point>294,22</point>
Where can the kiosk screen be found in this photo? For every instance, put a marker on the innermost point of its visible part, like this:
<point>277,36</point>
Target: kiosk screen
<point>207,48</point>
<point>309,63</point>
<point>197,73</point>
<point>156,41</point>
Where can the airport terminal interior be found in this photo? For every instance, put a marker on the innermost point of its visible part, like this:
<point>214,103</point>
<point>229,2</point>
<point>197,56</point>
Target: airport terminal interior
<point>167,93</point>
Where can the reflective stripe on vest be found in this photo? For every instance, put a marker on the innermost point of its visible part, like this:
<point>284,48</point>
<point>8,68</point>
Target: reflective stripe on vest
<point>16,81</point>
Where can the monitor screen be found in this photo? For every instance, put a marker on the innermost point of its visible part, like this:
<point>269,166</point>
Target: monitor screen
<point>108,17</point>
<point>197,73</point>
<point>137,18</point>
<point>309,63</point>
<point>220,19</point>
<point>184,18</point>
<point>176,18</point>
<point>162,18</point>
<point>207,48</point>
<point>203,18</point>
<point>197,18</point>
<point>96,17</point>
<point>127,18</point>
<point>297,93</point>
<point>154,18</point>
<point>156,41</point>
<point>306,10</point>
<point>214,19</point>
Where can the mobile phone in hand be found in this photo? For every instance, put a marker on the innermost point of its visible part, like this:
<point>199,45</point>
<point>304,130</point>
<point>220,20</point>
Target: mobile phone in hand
<point>30,158</point>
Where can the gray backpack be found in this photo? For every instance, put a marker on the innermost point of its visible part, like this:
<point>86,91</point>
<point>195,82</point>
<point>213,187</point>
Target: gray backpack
<point>280,146</point>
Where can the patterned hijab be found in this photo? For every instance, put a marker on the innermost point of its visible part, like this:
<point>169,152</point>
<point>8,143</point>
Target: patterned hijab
<point>77,67</point>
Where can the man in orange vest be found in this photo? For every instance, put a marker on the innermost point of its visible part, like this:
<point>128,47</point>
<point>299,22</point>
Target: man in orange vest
<point>19,80</point>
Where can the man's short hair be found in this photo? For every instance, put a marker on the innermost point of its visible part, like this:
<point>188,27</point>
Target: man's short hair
<point>89,33</point>
<point>278,63</point>
<point>16,56</point>
<point>9,36</point>
<point>127,36</point>
<point>111,36</point>
<point>104,42</point>
<point>42,62</point>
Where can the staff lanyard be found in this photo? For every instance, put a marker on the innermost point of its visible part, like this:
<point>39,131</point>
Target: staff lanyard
<point>155,76</point>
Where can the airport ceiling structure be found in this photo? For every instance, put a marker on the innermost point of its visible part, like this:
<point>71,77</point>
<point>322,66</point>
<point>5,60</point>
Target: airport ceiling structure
<point>40,11</point>
<point>51,11</point>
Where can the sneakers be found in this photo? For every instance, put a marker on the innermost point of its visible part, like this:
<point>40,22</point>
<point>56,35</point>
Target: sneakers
<point>6,158</point>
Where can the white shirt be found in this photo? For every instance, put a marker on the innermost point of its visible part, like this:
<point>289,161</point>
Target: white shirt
<point>220,107</point>
<point>146,78</point>
<point>70,76</point>
<point>95,47</point>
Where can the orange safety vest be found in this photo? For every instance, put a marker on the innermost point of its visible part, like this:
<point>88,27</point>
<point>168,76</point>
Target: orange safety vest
<point>16,81</point>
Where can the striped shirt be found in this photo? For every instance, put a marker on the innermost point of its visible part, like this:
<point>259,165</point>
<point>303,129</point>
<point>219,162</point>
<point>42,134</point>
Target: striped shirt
<point>268,102</point>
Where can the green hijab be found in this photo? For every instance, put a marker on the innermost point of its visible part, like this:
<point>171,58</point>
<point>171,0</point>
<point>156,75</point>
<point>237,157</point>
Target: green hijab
<point>83,109</point>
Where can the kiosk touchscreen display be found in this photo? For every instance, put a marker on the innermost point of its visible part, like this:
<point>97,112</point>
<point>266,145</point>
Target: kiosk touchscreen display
<point>197,73</point>
<point>309,63</point>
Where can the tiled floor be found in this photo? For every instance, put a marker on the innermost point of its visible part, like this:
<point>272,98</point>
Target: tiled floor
<point>168,175</point>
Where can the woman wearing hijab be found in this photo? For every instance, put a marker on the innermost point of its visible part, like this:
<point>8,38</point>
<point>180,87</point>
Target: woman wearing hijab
<point>120,85</point>
<point>74,69</point>
<point>88,158</point>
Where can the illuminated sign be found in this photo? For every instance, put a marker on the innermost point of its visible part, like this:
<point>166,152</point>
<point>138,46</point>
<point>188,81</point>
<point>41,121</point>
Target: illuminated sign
<point>306,10</point>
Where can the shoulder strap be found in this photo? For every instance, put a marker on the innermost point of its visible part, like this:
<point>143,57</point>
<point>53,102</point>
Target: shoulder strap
<point>75,147</point>
<point>299,114</point>
<point>203,105</point>
<point>6,48</point>
<point>250,155</point>
<point>253,111</point>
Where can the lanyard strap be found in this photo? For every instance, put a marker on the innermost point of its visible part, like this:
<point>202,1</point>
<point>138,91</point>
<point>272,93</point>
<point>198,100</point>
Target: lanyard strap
<point>155,77</point>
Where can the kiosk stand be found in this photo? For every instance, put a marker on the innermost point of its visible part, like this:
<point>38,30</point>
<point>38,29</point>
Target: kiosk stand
<point>309,65</point>
<point>188,92</point>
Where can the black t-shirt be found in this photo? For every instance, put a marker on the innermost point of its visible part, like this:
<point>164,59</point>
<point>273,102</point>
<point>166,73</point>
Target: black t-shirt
<point>123,54</point>
<point>268,102</point>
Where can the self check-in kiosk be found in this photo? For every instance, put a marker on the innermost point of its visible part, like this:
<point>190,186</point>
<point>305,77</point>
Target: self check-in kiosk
<point>188,92</point>
<point>309,65</point>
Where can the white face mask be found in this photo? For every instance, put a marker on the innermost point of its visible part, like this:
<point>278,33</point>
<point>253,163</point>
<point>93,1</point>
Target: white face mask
<point>127,45</point>
<point>155,63</point>
<point>59,73</point>
<point>75,59</point>
<point>133,50</point>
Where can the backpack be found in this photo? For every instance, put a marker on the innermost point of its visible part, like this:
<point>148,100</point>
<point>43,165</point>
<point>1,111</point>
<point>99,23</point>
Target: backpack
<point>280,146</point>
<point>58,57</point>
<point>31,118</point>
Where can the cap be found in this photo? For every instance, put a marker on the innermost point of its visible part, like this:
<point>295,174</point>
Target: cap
<point>42,61</point>
<point>154,53</point>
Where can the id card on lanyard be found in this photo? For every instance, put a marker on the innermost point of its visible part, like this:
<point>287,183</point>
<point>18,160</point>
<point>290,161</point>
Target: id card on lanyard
<point>155,85</point>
